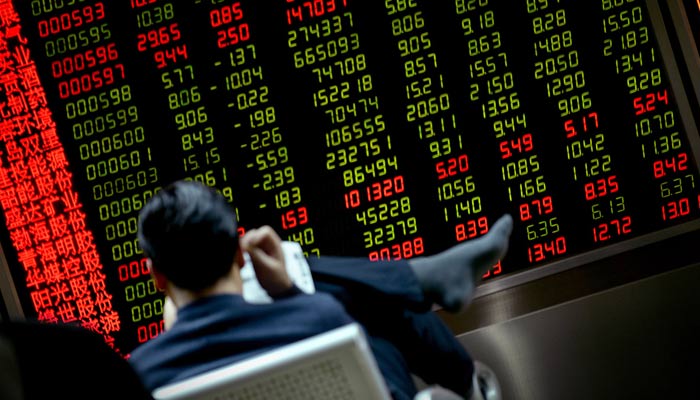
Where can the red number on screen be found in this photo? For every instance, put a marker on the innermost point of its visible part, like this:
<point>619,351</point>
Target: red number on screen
<point>541,251</point>
<point>608,230</point>
<point>399,251</point>
<point>471,229</point>
<point>675,209</point>
<point>536,207</point>
<point>601,187</point>
<point>673,164</point>
<point>452,166</point>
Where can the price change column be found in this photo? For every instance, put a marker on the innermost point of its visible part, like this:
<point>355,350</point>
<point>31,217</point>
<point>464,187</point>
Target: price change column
<point>174,89</point>
<point>161,40</point>
<point>326,47</point>
<point>430,111</point>
<point>251,116</point>
<point>640,86</point>
<point>493,87</point>
<point>559,66</point>
<point>629,47</point>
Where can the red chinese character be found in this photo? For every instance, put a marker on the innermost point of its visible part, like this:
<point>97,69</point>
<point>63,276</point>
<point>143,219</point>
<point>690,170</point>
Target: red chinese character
<point>53,272</point>
<point>21,124</point>
<point>103,301</point>
<point>32,213</point>
<point>11,80</point>
<point>17,103</point>
<point>41,299</point>
<point>63,180</point>
<point>27,258</point>
<point>70,199</point>
<point>7,129</point>
<point>36,97</point>
<point>31,145</point>
<point>28,75</point>
<point>47,315</point>
<point>5,180</point>
<point>14,218</point>
<point>58,225</point>
<point>91,260</point>
<point>40,232</point>
<point>66,311</point>
<point>20,172</point>
<point>57,158</point>
<point>110,322</point>
<point>61,293</point>
<point>47,252</point>
<point>92,325</point>
<point>39,167</point>
<point>47,203</point>
<point>5,112</point>
<point>86,308</point>
<point>84,241</point>
<point>44,120</point>
<point>8,198</point>
<point>14,151</point>
<point>50,138</point>
<point>26,192</point>
<point>96,281</point>
<point>79,287</point>
<point>110,342</point>
<point>72,268</point>
<point>10,19</point>
<point>21,239</point>
<point>65,246</point>
<point>35,278</point>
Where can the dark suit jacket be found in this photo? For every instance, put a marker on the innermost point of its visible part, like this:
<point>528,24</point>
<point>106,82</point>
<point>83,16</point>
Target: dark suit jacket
<point>223,329</point>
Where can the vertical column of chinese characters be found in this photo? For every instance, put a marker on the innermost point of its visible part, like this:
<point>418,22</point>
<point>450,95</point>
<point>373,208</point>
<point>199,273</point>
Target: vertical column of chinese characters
<point>44,216</point>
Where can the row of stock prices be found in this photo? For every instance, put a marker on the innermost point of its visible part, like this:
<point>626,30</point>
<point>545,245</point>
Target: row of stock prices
<point>383,129</point>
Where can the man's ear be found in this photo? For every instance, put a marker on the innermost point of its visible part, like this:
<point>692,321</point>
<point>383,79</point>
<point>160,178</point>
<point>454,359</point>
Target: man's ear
<point>160,279</point>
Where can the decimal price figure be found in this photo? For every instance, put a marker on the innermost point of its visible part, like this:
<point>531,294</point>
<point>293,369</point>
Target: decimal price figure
<point>327,47</point>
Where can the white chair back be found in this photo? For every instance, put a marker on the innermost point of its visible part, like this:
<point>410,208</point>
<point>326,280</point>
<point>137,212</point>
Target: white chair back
<point>333,365</point>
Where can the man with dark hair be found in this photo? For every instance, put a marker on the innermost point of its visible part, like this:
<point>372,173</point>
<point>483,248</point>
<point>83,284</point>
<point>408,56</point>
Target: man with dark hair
<point>189,234</point>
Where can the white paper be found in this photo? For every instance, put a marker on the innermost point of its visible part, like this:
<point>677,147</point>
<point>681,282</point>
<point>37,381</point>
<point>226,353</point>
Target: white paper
<point>297,268</point>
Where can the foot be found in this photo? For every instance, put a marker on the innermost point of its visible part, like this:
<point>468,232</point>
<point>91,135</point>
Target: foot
<point>449,278</point>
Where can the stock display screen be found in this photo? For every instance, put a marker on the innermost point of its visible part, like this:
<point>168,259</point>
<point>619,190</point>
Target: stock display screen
<point>383,129</point>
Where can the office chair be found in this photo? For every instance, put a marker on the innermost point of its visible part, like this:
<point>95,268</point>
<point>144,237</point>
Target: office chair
<point>337,364</point>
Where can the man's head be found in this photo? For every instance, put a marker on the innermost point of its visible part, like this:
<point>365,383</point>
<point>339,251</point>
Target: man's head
<point>189,232</point>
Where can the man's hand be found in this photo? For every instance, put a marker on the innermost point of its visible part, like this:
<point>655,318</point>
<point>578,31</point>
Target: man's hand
<point>264,247</point>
